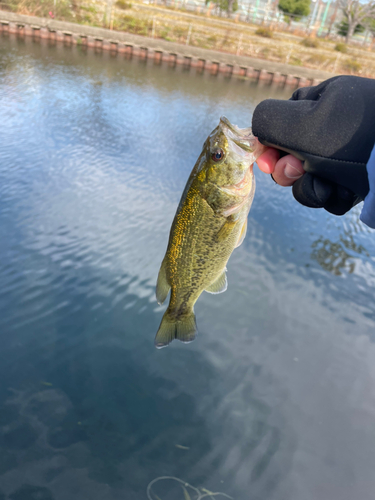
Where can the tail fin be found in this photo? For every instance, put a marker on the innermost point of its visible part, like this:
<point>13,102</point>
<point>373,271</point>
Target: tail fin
<point>184,329</point>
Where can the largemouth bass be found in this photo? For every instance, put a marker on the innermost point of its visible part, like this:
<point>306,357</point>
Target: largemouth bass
<point>210,222</point>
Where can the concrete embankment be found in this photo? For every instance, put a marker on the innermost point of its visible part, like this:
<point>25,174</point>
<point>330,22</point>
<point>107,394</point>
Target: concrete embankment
<point>160,50</point>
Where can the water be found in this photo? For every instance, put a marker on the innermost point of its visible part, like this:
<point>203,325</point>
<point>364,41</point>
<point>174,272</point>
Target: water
<point>275,399</point>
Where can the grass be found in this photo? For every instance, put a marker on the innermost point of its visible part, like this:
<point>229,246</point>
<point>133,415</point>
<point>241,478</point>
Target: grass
<point>221,34</point>
<point>212,39</point>
<point>122,4</point>
<point>131,24</point>
<point>341,47</point>
<point>164,34</point>
<point>352,66</point>
<point>295,61</point>
<point>89,8</point>
<point>310,42</point>
<point>317,59</point>
<point>265,32</point>
<point>180,32</point>
<point>63,9</point>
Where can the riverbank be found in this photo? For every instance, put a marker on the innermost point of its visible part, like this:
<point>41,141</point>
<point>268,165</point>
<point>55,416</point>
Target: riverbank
<point>159,49</point>
<point>273,42</point>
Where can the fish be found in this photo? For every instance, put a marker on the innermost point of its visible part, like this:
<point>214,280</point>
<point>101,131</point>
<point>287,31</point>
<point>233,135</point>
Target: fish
<point>210,222</point>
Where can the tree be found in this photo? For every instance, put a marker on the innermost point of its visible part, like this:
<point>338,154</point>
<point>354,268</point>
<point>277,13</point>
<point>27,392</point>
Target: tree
<point>357,13</point>
<point>229,6</point>
<point>294,8</point>
<point>342,28</point>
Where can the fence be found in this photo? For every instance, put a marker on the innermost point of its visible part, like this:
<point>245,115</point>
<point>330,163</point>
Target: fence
<point>322,20</point>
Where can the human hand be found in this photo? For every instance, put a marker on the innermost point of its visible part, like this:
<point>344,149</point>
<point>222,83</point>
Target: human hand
<point>331,129</point>
<point>285,170</point>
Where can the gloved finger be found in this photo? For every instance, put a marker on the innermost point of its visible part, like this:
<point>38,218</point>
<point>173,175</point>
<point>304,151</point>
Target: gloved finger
<point>267,161</point>
<point>312,191</point>
<point>341,201</point>
<point>287,170</point>
<point>284,123</point>
<point>315,192</point>
<point>328,122</point>
<point>301,93</point>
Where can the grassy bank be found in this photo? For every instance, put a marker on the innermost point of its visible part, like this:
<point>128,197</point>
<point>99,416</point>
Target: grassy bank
<point>206,32</point>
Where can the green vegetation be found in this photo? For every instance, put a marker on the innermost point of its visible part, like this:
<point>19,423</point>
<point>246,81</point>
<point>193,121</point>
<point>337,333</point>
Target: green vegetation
<point>317,59</point>
<point>63,8</point>
<point>352,66</point>
<point>263,31</point>
<point>310,42</point>
<point>343,27</point>
<point>370,25</point>
<point>341,47</point>
<point>212,39</point>
<point>209,33</point>
<point>131,24</point>
<point>88,14</point>
<point>164,34</point>
<point>294,9</point>
<point>296,61</point>
<point>228,6</point>
<point>200,42</point>
<point>122,4</point>
<point>180,33</point>
<point>89,8</point>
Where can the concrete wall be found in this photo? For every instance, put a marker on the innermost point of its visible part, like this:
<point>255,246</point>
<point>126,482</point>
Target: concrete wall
<point>160,50</point>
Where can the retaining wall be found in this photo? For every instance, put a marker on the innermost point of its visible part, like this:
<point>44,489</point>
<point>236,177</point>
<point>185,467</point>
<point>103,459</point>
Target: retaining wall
<point>159,50</point>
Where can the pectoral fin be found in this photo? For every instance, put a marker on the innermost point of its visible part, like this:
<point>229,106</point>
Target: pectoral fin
<point>226,230</point>
<point>220,285</point>
<point>242,234</point>
<point>162,286</point>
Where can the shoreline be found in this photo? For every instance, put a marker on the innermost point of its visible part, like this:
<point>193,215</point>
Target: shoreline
<point>161,50</point>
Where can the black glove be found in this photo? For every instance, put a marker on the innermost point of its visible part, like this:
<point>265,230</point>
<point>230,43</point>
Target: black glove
<point>331,128</point>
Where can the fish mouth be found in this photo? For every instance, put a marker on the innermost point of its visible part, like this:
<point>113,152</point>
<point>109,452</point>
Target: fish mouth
<point>240,140</point>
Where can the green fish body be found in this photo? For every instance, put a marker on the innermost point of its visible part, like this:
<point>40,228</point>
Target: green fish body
<point>210,222</point>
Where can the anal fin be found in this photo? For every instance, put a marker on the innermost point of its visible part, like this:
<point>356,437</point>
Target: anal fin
<point>162,285</point>
<point>219,285</point>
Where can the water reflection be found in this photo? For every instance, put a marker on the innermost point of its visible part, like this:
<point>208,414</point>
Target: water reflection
<point>333,256</point>
<point>173,487</point>
<point>94,406</point>
<point>274,399</point>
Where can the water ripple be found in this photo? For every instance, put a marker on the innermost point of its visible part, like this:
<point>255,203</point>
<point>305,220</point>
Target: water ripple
<point>94,154</point>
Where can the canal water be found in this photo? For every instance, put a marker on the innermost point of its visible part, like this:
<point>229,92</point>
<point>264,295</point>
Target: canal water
<point>274,400</point>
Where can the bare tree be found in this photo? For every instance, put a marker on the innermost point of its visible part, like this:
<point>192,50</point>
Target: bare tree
<point>357,13</point>
<point>230,7</point>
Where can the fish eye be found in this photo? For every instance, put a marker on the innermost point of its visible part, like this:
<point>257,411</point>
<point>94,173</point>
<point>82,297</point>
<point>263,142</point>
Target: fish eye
<point>217,155</point>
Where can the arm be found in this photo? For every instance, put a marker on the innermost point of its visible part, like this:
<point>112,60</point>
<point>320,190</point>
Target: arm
<point>368,211</point>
